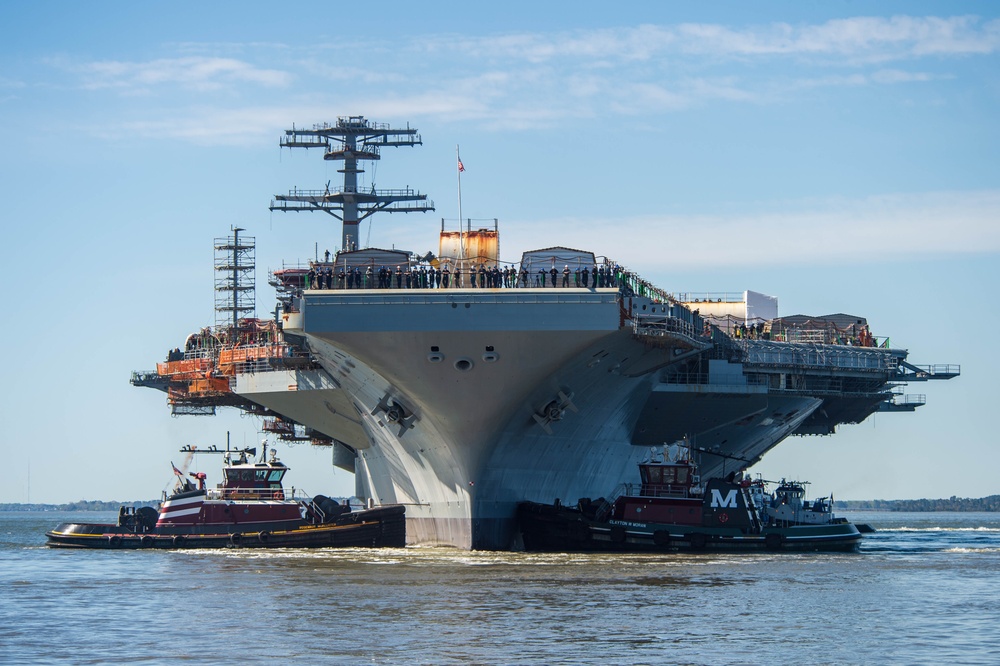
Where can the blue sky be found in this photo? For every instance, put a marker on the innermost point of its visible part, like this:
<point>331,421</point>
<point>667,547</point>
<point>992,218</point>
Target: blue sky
<point>841,156</point>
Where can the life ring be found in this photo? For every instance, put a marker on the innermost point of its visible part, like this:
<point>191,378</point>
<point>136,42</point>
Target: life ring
<point>773,540</point>
<point>264,536</point>
<point>698,540</point>
<point>235,538</point>
<point>178,541</point>
<point>115,541</point>
<point>723,517</point>
<point>618,534</point>
<point>278,495</point>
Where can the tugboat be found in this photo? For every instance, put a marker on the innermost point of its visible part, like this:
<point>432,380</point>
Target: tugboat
<point>670,510</point>
<point>249,509</point>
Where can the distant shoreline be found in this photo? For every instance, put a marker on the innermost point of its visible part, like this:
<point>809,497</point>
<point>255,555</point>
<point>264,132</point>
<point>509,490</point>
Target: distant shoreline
<point>82,505</point>
<point>952,504</point>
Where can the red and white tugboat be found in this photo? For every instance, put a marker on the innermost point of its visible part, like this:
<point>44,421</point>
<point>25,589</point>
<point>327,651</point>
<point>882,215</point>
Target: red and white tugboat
<point>249,509</point>
<point>670,510</point>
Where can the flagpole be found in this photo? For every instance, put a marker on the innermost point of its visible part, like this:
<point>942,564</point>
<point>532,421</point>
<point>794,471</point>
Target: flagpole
<point>461,237</point>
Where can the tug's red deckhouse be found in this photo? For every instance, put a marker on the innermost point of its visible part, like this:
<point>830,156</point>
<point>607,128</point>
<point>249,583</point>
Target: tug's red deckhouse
<point>670,492</point>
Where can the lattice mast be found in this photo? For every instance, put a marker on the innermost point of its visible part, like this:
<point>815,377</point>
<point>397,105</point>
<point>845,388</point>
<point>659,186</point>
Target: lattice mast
<point>352,139</point>
<point>235,280</point>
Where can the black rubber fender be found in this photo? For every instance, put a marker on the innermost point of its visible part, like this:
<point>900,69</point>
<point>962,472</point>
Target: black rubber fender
<point>235,538</point>
<point>618,534</point>
<point>264,536</point>
<point>773,541</point>
<point>698,540</point>
<point>661,538</point>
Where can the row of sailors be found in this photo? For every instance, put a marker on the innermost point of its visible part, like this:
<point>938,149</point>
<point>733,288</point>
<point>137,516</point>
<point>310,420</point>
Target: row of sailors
<point>490,277</point>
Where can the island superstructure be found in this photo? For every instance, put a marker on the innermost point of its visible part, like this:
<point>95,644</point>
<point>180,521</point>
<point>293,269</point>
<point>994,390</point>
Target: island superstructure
<point>459,384</point>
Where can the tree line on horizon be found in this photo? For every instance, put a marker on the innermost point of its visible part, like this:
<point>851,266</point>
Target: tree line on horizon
<point>953,503</point>
<point>81,505</point>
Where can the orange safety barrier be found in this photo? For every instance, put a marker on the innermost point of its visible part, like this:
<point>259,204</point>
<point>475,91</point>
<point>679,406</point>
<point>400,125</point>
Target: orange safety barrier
<point>189,366</point>
<point>213,385</point>
<point>242,354</point>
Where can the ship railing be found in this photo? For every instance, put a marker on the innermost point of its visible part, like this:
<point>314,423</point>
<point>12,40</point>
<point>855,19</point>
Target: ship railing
<point>692,297</point>
<point>621,279</point>
<point>909,399</point>
<point>659,490</point>
<point>650,490</point>
<point>654,325</point>
<point>821,336</point>
<point>805,355</point>
<point>630,283</point>
<point>293,359</point>
<point>940,369</point>
<point>337,191</point>
<point>620,489</point>
<point>255,494</point>
<point>704,378</point>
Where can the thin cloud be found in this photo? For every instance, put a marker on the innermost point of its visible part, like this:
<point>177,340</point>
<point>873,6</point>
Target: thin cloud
<point>11,83</point>
<point>864,39</point>
<point>195,73</point>
<point>216,126</point>
<point>880,228</point>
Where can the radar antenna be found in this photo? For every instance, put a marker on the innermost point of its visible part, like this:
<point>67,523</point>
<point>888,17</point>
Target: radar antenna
<point>350,140</point>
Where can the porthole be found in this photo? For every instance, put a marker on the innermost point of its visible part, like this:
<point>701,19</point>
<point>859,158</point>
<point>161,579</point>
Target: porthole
<point>463,364</point>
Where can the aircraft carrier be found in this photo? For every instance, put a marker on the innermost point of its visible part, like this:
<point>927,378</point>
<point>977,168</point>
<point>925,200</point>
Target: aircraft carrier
<point>459,384</point>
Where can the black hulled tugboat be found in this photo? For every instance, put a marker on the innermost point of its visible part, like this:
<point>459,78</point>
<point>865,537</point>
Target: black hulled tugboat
<point>670,510</point>
<point>249,509</point>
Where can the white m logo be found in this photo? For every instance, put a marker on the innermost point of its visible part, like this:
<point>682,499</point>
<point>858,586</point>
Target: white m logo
<point>720,502</point>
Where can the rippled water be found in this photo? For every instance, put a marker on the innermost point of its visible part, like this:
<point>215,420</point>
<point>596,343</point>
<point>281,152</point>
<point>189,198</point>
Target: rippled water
<point>924,589</point>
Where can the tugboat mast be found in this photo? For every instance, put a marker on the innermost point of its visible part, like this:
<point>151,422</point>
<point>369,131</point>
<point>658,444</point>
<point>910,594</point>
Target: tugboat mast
<point>353,138</point>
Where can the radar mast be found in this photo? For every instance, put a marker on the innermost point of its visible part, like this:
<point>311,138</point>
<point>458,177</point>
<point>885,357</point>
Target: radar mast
<point>352,139</point>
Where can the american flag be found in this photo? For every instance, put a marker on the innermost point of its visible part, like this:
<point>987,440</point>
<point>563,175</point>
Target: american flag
<point>177,471</point>
<point>461,167</point>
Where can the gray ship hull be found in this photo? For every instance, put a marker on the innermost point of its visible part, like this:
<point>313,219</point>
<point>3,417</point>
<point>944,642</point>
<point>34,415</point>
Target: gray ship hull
<point>459,404</point>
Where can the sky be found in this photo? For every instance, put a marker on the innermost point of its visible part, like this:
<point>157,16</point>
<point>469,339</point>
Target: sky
<point>841,156</point>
